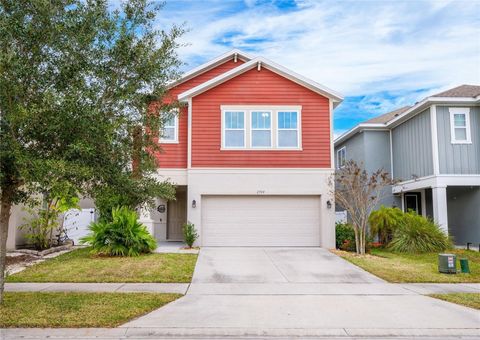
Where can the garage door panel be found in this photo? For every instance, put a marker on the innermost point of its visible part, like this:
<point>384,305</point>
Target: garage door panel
<point>261,220</point>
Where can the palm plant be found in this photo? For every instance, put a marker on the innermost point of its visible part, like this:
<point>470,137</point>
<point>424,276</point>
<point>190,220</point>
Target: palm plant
<point>123,236</point>
<point>383,222</point>
<point>417,234</point>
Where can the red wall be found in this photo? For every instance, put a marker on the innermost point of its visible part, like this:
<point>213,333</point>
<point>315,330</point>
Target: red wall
<point>260,88</point>
<point>175,155</point>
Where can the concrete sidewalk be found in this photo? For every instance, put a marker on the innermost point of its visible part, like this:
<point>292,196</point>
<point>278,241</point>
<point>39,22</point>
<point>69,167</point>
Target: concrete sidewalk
<point>253,288</point>
<point>177,288</point>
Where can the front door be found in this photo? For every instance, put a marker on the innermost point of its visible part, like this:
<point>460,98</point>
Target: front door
<point>177,216</point>
<point>413,202</point>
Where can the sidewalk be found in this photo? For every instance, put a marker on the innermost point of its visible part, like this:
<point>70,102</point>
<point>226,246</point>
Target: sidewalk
<point>177,288</point>
<point>253,288</point>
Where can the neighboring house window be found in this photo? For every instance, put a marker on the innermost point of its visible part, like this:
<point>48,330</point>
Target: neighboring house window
<point>287,134</point>
<point>460,125</point>
<point>261,129</point>
<point>341,157</point>
<point>234,129</point>
<point>169,133</point>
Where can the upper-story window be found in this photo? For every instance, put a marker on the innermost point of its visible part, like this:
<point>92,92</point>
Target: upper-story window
<point>169,131</point>
<point>341,157</point>
<point>460,125</point>
<point>287,129</point>
<point>234,132</point>
<point>261,127</point>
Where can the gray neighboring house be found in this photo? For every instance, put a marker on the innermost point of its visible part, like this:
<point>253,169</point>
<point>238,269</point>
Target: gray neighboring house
<point>433,149</point>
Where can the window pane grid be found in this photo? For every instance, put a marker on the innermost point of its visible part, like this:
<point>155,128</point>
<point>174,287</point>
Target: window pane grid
<point>168,132</point>
<point>287,129</point>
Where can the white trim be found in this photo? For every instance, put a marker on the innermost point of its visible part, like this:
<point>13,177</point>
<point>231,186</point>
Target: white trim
<point>460,111</point>
<point>298,129</point>
<point>273,109</point>
<point>161,140</point>
<point>332,147</point>
<point>339,166</point>
<point>359,128</point>
<point>423,199</point>
<point>262,170</point>
<point>391,155</point>
<point>245,124</point>
<point>234,55</point>
<point>433,123</point>
<point>270,65</point>
<point>189,146</point>
<point>435,181</point>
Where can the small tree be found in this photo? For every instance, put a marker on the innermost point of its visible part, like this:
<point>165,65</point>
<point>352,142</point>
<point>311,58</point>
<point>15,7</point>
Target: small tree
<point>359,193</point>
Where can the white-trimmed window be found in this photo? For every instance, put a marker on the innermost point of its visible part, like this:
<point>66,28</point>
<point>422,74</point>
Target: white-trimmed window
<point>261,129</point>
<point>169,131</point>
<point>460,125</point>
<point>341,157</point>
<point>287,131</point>
<point>234,129</point>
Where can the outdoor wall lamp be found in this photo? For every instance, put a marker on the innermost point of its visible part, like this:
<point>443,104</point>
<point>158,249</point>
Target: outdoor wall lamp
<point>194,204</point>
<point>329,204</point>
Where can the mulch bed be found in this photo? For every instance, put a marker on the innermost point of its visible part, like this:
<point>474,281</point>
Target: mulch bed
<point>20,259</point>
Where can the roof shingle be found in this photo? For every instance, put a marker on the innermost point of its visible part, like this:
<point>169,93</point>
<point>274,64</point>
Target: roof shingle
<point>385,118</point>
<point>461,91</point>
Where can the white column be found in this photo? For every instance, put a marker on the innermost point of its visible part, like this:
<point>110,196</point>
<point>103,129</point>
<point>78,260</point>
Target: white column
<point>439,202</point>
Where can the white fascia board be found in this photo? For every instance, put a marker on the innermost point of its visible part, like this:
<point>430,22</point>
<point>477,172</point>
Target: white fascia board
<point>359,128</point>
<point>427,102</point>
<point>310,84</point>
<point>211,64</point>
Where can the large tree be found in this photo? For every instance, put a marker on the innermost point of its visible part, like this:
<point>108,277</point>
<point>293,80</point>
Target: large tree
<point>76,83</point>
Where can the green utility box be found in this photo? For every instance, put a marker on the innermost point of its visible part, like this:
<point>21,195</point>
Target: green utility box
<point>447,263</point>
<point>464,266</point>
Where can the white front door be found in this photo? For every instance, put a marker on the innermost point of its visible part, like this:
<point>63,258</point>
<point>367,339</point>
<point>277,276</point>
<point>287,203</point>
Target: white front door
<point>261,221</point>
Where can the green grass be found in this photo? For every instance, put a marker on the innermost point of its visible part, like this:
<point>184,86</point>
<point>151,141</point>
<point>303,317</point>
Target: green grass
<point>471,300</point>
<point>80,266</point>
<point>396,267</point>
<point>36,309</point>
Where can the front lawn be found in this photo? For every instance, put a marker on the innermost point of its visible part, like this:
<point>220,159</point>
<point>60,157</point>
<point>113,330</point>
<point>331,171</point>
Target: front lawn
<point>471,300</point>
<point>80,266</point>
<point>395,267</point>
<point>77,309</point>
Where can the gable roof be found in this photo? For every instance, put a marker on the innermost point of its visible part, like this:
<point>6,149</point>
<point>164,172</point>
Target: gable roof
<point>461,91</point>
<point>259,62</point>
<point>463,94</point>
<point>386,117</point>
<point>235,53</point>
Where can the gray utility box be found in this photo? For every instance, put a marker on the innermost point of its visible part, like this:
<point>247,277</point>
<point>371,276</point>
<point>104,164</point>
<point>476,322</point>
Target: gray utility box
<point>447,263</point>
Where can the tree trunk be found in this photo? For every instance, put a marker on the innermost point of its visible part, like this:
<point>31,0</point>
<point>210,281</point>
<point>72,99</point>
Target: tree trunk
<point>357,240</point>
<point>5,210</point>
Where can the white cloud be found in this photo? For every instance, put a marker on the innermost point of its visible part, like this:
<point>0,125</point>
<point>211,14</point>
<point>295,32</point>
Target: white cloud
<point>355,47</point>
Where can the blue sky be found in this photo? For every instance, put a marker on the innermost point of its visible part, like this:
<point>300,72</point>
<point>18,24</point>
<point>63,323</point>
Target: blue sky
<point>380,55</point>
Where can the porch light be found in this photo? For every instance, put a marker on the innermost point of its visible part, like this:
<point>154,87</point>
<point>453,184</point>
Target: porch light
<point>194,204</point>
<point>329,204</point>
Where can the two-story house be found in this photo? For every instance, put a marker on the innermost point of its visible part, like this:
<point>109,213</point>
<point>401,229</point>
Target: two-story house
<point>433,149</point>
<point>251,155</point>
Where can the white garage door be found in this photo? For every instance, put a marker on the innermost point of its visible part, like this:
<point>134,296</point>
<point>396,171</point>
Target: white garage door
<point>261,221</point>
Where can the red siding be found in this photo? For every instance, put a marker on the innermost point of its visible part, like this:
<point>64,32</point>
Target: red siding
<point>175,155</point>
<point>260,88</point>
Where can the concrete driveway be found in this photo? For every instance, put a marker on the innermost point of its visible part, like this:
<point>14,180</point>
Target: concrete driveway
<point>276,265</point>
<point>307,292</point>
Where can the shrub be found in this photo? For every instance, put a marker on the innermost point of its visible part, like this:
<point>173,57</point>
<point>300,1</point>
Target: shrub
<point>383,222</point>
<point>417,234</point>
<point>189,234</point>
<point>123,236</point>
<point>344,236</point>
